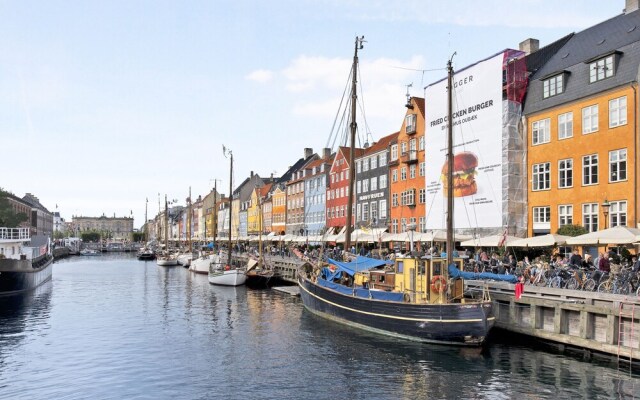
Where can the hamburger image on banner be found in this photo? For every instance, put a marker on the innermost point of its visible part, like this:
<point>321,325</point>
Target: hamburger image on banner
<point>464,175</point>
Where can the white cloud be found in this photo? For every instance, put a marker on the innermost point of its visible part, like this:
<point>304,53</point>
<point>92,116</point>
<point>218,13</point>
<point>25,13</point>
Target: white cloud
<point>260,75</point>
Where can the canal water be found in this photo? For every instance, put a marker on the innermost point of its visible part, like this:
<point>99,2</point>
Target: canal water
<point>113,327</point>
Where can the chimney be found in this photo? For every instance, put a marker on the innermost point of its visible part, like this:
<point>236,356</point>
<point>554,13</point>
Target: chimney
<point>326,153</point>
<point>530,45</point>
<point>308,152</point>
<point>631,6</point>
<point>251,174</point>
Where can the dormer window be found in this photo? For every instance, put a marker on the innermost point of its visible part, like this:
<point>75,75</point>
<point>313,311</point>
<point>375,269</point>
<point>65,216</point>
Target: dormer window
<point>410,123</point>
<point>601,69</point>
<point>553,86</point>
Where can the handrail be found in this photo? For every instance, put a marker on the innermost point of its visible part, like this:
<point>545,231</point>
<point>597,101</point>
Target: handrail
<point>15,234</point>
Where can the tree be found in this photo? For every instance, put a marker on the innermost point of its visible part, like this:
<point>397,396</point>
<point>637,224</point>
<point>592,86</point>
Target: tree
<point>8,217</point>
<point>571,230</point>
<point>138,236</point>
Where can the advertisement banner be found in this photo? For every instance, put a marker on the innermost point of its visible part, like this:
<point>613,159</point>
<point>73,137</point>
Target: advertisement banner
<point>477,147</point>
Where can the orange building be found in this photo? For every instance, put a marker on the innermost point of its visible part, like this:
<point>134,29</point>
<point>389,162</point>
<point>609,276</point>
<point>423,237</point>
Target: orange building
<point>278,209</point>
<point>581,120</point>
<point>407,171</point>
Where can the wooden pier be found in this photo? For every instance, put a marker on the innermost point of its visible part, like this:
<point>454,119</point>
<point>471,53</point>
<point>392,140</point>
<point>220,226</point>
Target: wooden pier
<point>285,267</point>
<point>600,322</point>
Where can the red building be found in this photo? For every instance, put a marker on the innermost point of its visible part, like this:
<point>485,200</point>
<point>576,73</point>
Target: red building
<point>338,190</point>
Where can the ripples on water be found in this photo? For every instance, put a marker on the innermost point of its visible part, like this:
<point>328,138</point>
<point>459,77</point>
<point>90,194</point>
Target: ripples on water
<point>113,327</point>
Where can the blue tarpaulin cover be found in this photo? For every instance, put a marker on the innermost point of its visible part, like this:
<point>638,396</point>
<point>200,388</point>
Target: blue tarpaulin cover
<point>360,264</point>
<point>454,272</point>
<point>360,292</point>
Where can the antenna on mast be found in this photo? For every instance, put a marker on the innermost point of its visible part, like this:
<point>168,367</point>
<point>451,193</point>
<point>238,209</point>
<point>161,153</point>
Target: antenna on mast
<point>409,105</point>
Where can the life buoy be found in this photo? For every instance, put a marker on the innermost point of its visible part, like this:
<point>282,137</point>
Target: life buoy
<point>439,288</point>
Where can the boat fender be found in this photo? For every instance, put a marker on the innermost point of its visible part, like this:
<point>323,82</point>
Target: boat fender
<point>407,298</point>
<point>441,287</point>
<point>227,268</point>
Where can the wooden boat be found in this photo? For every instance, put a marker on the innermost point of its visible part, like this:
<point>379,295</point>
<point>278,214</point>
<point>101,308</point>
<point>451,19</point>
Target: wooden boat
<point>410,298</point>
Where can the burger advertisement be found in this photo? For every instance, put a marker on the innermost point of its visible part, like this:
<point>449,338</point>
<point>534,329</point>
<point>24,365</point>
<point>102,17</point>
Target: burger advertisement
<point>477,111</point>
<point>464,175</point>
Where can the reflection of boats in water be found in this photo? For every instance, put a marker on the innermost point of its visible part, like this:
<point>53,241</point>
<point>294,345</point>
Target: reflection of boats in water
<point>23,267</point>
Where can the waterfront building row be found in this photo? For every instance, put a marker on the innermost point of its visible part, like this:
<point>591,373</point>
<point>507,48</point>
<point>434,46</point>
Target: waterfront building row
<point>566,140</point>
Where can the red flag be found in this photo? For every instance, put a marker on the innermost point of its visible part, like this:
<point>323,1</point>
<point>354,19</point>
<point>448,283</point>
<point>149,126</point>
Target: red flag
<point>503,240</point>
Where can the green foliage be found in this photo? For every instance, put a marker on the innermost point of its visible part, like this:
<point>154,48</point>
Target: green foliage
<point>58,235</point>
<point>8,217</point>
<point>90,236</point>
<point>138,236</point>
<point>571,230</point>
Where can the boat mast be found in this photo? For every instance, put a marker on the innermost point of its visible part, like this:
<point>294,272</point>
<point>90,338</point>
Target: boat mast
<point>166,225</point>
<point>354,126</point>
<point>450,162</point>
<point>189,223</point>
<point>260,227</point>
<point>215,209</point>
<point>146,223</point>
<point>230,206</point>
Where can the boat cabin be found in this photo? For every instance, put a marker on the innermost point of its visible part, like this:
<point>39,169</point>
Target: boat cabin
<point>426,280</point>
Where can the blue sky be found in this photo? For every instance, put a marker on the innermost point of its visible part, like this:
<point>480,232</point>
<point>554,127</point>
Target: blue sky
<point>105,104</point>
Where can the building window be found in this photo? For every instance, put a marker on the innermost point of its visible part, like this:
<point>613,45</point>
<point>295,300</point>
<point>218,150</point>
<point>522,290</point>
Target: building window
<point>618,165</point>
<point>412,171</point>
<point>365,186</point>
<point>565,215</point>
<point>422,196</point>
<point>408,197</point>
<point>565,125</point>
<point>590,169</point>
<point>541,176</point>
<point>590,217</point>
<point>590,119</point>
<point>394,175</point>
<point>374,183</point>
<point>383,159</point>
<point>552,86</point>
<point>383,209</point>
<point>403,173</point>
<point>365,212</point>
<point>358,166</point>
<point>421,143</point>
<point>423,224</point>
<point>358,187</point>
<point>358,209</point>
<point>383,181</point>
<point>565,173</point>
<point>374,162</point>
<point>541,132</point>
<point>365,164</point>
<point>422,167</point>
<point>601,69</point>
<point>394,152</point>
<point>618,213</point>
<point>373,209</point>
<point>541,215</point>
<point>394,226</point>
<point>618,112</point>
<point>394,200</point>
<point>410,123</point>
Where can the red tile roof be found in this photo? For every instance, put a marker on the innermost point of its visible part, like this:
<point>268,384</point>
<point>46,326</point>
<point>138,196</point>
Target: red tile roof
<point>381,144</point>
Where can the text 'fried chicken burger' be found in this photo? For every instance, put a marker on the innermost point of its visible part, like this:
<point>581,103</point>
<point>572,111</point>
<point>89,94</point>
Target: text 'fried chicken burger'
<point>464,174</point>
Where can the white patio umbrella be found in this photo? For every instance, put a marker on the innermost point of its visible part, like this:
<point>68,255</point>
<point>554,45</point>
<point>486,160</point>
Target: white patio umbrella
<point>548,240</point>
<point>616,235</point>
<point>489,241</point>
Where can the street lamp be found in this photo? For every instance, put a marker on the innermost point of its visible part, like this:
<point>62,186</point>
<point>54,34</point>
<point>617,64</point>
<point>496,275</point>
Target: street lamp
<point>411,227</point>
<point>605,211</point>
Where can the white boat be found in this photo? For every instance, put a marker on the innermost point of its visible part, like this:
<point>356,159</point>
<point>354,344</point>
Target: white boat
<point>201,264</point>
<point>184,259</point>
<point>167,260</point>
<point>222,274</point>
<point>89,252</point>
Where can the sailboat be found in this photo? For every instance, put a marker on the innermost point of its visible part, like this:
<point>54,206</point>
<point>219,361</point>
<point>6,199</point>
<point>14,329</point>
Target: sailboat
<point>219,272</point>
<point>166,259</point>
<point>411,298</point>
<point>259,273</point>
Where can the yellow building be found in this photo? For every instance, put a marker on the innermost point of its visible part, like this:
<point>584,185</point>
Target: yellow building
<point>581,123</point>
